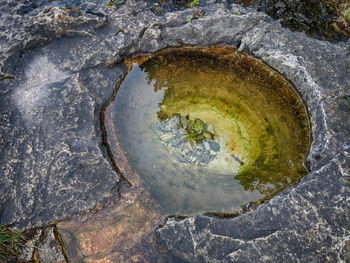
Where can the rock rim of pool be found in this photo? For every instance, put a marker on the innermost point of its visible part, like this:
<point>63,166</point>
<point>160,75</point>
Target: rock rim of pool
<point>59,65</point>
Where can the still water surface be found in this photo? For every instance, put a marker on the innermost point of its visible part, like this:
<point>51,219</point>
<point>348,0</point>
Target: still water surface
<point>260,124</point>
<point>262,131</point>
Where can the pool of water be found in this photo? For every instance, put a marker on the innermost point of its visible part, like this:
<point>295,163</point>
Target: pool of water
<point>260,139</point>
<point>260,124</point>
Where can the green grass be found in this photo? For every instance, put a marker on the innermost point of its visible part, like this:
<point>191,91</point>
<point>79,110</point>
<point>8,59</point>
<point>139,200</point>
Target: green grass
<point>193,3</point>
<point>11,242</point>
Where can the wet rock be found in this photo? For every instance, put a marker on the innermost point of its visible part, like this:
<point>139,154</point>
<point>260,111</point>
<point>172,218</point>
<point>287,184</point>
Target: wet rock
<point>209,128</point>
<point>206,158</point>
<point>175,140</point>
<point>211,152</point>
<point>247,237</point>
<point>214,146</point>
<point>206,146</point>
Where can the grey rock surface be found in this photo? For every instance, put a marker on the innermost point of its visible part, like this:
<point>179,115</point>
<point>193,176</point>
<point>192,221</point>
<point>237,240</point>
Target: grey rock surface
<point>174,139</point>
<point>28,248</point>
<point>52,159</point>
<point>309,223</point>
<point>49,250</point>
<point>43,246</point>
<point>58,66</point>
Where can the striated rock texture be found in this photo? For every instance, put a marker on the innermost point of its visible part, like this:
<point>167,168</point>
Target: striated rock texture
<point>59,65</point>
<point>43,247</point>
<point>49,250</point>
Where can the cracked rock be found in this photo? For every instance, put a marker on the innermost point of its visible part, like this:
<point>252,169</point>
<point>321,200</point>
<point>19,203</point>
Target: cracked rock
<point>49,249</point>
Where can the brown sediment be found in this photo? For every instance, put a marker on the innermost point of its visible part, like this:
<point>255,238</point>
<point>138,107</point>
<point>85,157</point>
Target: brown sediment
<point>123,233</point>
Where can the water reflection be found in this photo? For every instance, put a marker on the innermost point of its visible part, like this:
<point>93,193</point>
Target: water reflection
<point>260,123</point>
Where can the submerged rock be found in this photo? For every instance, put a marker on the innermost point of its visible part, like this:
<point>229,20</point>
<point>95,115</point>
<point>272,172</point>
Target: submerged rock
<point>214,146</point>
<point>174,138</point>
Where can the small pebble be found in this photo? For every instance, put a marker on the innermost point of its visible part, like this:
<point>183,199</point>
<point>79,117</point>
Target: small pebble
<point>214,146</point>
<point>206,146</point>
<point>199,147</point>
<point>166,137</point>
<point>206,159</point>
<point>212,153</point>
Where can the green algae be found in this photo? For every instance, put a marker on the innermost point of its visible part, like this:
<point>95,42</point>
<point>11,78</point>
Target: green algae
<point>258,114</point>
<point>261,129</point>
<point>197,130</point>
<point>251,108</point>
<point>11,243</point>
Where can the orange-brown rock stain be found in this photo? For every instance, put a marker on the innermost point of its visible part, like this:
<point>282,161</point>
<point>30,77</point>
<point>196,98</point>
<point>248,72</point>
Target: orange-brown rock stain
<point>121,233</point>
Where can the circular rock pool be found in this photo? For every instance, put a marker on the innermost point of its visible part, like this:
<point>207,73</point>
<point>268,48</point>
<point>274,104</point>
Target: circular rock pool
<point>209,129</point>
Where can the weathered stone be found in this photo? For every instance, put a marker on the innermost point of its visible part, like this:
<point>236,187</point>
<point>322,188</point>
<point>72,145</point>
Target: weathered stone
<point>214,146</point>
<point>49,249</point>
<point>27,252</point>
<point>52,150</point>
<point>56,71</point>
<point>257,235</point>
<point>175,139</point>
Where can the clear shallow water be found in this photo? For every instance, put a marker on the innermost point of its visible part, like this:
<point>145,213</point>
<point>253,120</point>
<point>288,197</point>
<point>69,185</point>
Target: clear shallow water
<point>258,119</point>
<point>180,188</point>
